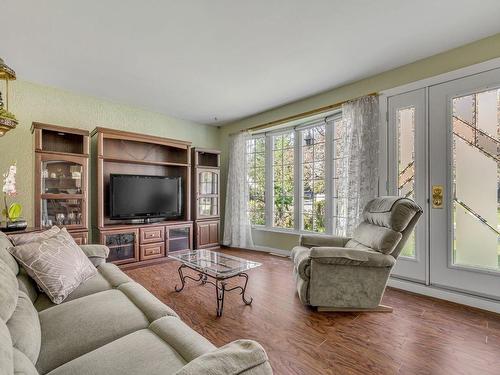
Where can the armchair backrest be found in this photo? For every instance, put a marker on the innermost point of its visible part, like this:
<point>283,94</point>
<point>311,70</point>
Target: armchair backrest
<point>387,224</point>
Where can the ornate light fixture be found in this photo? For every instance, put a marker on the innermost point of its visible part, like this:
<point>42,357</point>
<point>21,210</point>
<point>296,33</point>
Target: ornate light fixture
<point>7,120</point>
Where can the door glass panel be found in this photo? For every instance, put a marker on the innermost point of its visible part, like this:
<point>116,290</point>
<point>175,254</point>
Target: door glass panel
<point>208,207</point>
<point>208,183</point>
<point>61,212</point>
<point>61,177</point>
<point>405,122</point>
<point>475,176</point>
<point>121,246</point>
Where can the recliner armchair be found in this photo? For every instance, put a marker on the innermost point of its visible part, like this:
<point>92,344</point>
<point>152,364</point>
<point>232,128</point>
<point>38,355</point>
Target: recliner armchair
<point>350,274</point>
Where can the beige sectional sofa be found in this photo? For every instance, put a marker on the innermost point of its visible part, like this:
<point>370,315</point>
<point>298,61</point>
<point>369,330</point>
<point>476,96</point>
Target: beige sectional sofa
<point>108,325</point>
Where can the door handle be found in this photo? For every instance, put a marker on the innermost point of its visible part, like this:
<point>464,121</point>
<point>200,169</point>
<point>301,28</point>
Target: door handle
<point>437,196</point>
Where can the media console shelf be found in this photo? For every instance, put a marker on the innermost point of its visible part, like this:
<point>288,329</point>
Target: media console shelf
<point>119,152</point>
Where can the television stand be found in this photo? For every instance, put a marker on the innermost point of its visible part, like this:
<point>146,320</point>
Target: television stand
<point>147,240</point>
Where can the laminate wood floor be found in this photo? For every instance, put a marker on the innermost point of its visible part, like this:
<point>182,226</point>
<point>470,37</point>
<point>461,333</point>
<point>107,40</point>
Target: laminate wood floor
<point>422,335</point>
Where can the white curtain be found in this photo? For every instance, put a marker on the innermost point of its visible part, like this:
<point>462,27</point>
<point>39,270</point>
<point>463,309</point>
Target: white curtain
<point>237,229</point>
<point>358,177</point>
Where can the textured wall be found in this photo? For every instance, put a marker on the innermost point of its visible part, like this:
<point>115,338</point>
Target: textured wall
<point>31,102</point>
<point>479,51</point>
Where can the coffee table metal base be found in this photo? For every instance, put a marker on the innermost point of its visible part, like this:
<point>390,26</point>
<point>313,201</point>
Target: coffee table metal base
<point>220,284</point>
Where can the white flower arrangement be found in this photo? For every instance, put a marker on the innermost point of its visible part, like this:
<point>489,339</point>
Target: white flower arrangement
<point>12,212</point>
<point>9,182</point>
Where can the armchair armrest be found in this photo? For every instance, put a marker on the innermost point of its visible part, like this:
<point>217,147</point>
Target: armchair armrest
<point>237,357</point>
<point>97,254</point>
<point>312,240</point>
<point>350,257</point>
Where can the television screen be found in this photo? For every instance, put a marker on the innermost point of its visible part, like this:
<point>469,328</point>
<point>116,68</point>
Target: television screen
<point>135,197</point>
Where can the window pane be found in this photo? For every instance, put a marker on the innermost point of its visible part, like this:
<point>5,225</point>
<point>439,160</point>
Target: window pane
<point>283,182</point>
<point>313,179</point>
<point>256,177</point>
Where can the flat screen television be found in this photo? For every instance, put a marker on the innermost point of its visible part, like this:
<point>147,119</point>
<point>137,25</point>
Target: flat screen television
<point>145,197</point>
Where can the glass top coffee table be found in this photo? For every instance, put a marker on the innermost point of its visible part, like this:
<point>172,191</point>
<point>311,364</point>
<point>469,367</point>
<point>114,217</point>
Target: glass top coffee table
<point>218,266</point>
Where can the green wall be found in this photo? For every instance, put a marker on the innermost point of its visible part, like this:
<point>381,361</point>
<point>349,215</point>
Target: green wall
<point>32,102</point>
<point>479,51</point>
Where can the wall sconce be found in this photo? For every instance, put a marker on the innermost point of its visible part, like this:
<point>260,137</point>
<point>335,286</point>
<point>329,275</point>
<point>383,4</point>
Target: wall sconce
<point>7,120</point>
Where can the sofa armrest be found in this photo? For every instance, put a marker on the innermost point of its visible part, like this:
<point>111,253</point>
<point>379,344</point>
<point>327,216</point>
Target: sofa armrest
<point>97,254</point>
<point>312,240</point>
<point>237,357</point>
<point>350,257</point>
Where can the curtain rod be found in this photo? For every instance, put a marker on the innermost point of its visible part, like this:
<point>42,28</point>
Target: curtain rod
<point>302,115</point>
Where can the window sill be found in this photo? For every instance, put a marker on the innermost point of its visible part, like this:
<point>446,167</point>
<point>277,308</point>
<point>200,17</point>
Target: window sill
<point>285,231</point>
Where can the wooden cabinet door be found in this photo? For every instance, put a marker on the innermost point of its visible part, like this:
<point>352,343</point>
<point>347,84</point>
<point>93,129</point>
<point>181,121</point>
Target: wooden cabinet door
<point>123,245</point>
<point>207,234</point>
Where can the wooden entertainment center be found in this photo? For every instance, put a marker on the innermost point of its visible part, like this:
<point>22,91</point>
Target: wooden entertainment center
<point>62,190</point>
<point>119,152</point>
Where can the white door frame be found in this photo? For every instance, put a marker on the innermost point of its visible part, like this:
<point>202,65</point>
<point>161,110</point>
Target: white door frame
<point>432,290</point>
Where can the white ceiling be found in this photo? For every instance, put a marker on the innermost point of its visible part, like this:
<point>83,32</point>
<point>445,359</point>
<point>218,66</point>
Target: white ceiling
<point>227,59</point>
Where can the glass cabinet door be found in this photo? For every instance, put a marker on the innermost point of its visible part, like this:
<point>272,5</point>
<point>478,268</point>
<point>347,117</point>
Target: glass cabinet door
<point>61,190</point>
<point>62,212</point>
<point>208,193</point>
<point>61,177</point>
<point>208,183</point>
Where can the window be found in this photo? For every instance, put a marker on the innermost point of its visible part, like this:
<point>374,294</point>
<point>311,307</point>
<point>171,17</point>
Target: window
<point>283,180</point>
<point>313,179</point>
<point>296,171</point>
<point>256,180</point>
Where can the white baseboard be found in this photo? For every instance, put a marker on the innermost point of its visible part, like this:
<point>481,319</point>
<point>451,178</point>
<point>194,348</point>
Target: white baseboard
<point>270,250</point>
<point>448,295</point>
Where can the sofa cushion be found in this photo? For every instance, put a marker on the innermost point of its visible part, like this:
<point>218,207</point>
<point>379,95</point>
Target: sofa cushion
<point>8,291</point>
<point>23,365</point>
<point>108,276</point>
<point>151,306</point>
<point>5,245</point>
<point>351,257</point>
<point>187,342</point>
<point>377,238</point>
<point>236,358</point>
<point>24,328</point>
<point>76,327</point>
<point>57,264</point>
<point>390,212</point>
<point>6,351</point>
<point>97,254</point>
<point>28,285</point>
<point>140,352</point>
<point>24,238</point>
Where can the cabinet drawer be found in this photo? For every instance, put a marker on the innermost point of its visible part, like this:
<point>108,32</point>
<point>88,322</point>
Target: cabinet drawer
<point>151,251</point>
<point>151,235</point>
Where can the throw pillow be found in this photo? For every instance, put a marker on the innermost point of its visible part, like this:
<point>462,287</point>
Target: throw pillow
<point>23,238</point>
<point>57,264</point>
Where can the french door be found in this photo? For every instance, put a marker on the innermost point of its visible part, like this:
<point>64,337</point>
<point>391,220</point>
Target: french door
<point>407,152</point>
<point>445,155</point>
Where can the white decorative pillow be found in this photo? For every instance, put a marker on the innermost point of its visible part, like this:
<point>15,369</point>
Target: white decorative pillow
<point>57,264</point>
<point>23,238</point>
